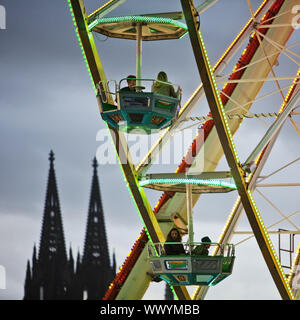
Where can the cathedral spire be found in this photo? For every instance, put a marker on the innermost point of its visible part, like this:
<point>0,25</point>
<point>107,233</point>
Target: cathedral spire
<point>49,277</point>
<point>53,275</point>
<point>51,157</point>
<point>95,247</point>
<point>95,165</point>
<point>34,259</point>
<point>96,272</point>
<point>78,263</point>
<point>71,260</point>
<point>52,243</point>
<point>27,285</point>
<point>34,262</point>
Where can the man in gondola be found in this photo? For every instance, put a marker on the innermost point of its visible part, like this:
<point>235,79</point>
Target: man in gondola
<point>202,249</point>
<point>131,84</point>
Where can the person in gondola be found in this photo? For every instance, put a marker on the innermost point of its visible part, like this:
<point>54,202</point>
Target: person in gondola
<point>131,88</point>
<point>162,86</point>
<point>176,248</point>
<point>131,83</point>
<point>203,249</point>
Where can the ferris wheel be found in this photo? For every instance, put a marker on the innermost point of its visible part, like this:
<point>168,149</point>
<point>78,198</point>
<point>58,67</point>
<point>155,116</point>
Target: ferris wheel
<point>147,106</point>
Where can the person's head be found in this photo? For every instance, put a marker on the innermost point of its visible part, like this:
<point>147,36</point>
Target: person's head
<point>131,81</point>
<point>174,235</point>
<point>162,76</point>
<point>207,241</point>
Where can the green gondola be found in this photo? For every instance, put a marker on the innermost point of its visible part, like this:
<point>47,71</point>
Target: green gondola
<point>137,112</point>
<point>189,269</point>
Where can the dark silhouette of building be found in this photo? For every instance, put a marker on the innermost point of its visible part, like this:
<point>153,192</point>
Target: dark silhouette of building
<point>95,271</point>
<point>53,275</point>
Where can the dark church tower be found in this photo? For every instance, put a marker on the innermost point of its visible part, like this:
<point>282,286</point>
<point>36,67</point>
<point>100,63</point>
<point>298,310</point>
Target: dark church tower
<point>50,276</point>
<point>96,272</point>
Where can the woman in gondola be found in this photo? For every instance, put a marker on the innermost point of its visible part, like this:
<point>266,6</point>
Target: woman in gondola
<point>162,86</point>
<point>176,248</point>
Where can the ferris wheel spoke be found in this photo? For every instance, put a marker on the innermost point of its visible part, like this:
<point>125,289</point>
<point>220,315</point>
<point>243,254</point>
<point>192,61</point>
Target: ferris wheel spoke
<point>276,209</point>
<point>281,48</point>
<point>278,170</point>
<point>253,64</point>
<point>243,107</point>
<point>271,66</point>
<point>277,16</point>
<point>268,227</point>
<point>265,54</point>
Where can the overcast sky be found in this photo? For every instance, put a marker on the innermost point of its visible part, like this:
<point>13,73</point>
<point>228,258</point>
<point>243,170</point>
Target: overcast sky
<point>47,102</point>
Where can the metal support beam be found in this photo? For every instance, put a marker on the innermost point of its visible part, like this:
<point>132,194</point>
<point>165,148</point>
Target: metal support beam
<point>139,54</point>
<point>206,5</point>
<point>276,125</point>
<point>178,15</point>
<point>97,74</point>
<point>294,270</point>
<point>189,208</point>
<point>226,140</point>
<point>278,185</point>
<point>87,43</point>
<point>105,9</point>
<point>271,232</point>
<point>236,212</point>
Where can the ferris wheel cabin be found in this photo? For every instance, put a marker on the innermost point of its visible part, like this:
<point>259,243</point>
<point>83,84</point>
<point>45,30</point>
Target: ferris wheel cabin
<point>137,111</point>
<point>191,269</point>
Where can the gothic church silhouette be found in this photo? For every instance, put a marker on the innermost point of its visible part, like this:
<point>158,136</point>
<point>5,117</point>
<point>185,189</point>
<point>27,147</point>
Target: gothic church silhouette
<point>52,274</point>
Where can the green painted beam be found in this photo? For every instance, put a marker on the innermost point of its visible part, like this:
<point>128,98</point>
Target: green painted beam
<point>226,140</point>
<point>95,68</point>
